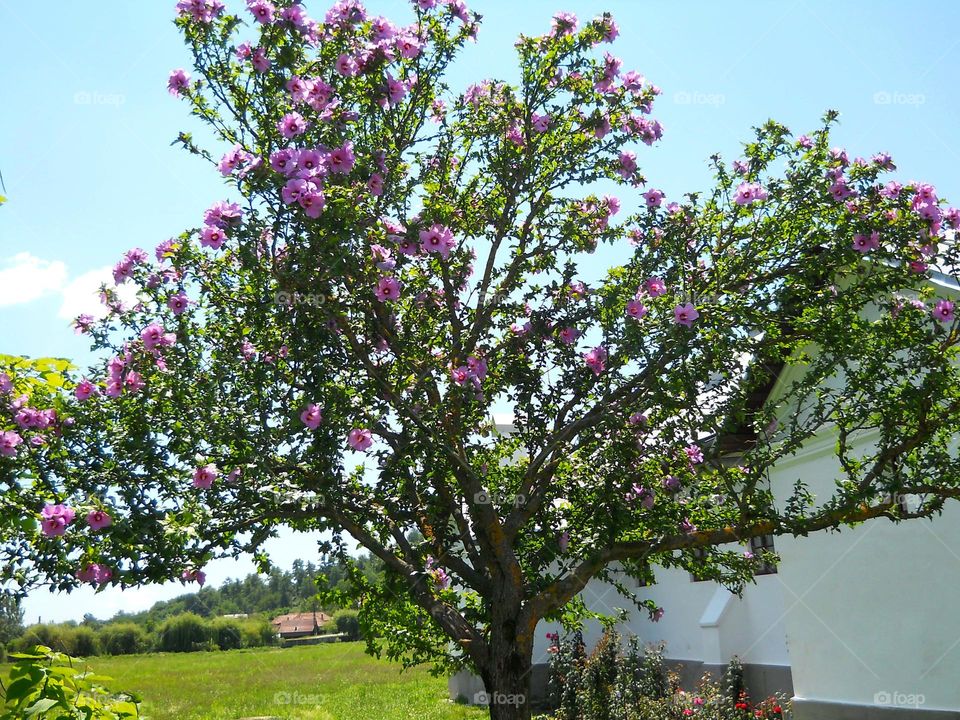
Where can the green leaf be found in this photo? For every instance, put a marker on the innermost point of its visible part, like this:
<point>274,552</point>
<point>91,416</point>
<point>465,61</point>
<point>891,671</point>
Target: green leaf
<point>41,706</point>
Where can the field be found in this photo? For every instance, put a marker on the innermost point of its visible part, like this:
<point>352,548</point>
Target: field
<point>318,682</point>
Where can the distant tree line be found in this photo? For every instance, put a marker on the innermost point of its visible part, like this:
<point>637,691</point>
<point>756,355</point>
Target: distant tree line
<point>199,620</point>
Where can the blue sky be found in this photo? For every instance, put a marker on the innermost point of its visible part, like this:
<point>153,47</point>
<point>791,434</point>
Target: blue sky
<point>86,127</point>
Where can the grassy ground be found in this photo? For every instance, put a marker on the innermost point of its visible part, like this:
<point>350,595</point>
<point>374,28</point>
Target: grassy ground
<point>318,682</point>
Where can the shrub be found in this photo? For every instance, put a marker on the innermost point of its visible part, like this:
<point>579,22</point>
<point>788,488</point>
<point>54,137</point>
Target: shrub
<point>347,622</point>
<point>3,654</point>
<point>123,639</point>
<point>256,632</point>
<point>85,643</point>
<point>226,633</point>
<point>184,633</point>
<point>633,684</point>
<point>59,638</point>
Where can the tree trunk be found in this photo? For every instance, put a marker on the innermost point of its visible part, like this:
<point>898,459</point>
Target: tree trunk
<point>507,675</point>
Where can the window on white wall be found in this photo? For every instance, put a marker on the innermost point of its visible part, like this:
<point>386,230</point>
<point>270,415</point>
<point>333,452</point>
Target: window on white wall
<point>763,543</point>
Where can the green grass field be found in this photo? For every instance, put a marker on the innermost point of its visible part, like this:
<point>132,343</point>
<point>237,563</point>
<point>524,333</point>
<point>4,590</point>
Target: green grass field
<point>319,682</point>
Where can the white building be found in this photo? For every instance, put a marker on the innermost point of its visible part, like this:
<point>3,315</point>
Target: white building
<point>860,624</point>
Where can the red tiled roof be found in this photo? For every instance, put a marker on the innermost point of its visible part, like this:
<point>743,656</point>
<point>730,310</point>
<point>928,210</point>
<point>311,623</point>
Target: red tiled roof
<point>299,623</point>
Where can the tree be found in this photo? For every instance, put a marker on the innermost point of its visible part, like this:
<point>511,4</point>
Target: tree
<point>11,618</point>
<point>326,354</point>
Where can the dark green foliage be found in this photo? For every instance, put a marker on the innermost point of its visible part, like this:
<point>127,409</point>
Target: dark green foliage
<point>123,638</point>
<point>184,633</point>
<point>346,622</point>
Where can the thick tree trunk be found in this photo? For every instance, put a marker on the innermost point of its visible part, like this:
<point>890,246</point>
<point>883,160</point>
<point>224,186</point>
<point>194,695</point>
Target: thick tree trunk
<point>507,675</point>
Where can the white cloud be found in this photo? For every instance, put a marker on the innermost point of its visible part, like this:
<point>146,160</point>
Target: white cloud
<point>82,294</point>
<point>25,278</point>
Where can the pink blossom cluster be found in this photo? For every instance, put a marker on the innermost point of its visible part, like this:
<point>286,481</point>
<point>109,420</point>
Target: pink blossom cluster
<point>54,519</point>
<point>96,573</point>
<point>120,377</point>
<point>306,171</point>
<point>203,11</point>
<point>123,270</point>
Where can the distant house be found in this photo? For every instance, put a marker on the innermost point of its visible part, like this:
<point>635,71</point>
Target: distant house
<point>297,625</point>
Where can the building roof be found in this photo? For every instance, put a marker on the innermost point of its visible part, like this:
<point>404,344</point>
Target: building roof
<point>299,622</point>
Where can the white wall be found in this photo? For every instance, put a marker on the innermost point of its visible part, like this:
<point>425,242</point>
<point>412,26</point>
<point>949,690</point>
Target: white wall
<point>871,611</point>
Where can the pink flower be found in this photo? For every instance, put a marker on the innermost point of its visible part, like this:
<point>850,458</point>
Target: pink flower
<point>748,193</point>
<point>178,81</point>
<point>637,418</point>
<point>438,238</point>
<point>655,287</point>
<point>259,60</point>
<point>596,359</point>
<point>628,164</point>
<point>55,518</point>
<point>98,520</point>
<point>694,454</point>
<point>375,185</point>
<point>154,336</point>
<point>341,159</point>
<point>866,243</point>
<point>360,439</point>
<point>311,417</point>
<point>653,197</point>
<point>6,384</point>
<point>9,441</point>
<point>657,615</point>
<point>95,573</point>
<point>540,123</point>
<point>178,302</point>
<point>212,237</point>
<point>670,483</point>
<point>685,314</point>
<point>194,575</point>
<point>84,390</point>
<point>646,497</point>
<point>203,477</point>
<point>564,23</point>
<point>563,542</point>
<point>943,311</point>
<point>387,289</point>
<point>636,309</point>
<point>345,65</point>
<point>133,382</point>
<point>291,125</point>
<point>577,291</point>
<point>569,335</point>
<point>262,11</point>
<point>312,203</point>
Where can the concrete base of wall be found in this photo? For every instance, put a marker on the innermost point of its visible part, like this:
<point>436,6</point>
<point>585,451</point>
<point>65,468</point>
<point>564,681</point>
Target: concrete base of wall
<point>762,681</point>
<point>821,710</point>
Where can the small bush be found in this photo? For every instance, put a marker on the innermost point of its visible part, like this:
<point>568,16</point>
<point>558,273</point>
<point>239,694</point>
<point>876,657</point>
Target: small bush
<point>226,633</point>
<point>258,632</point>
<point>60,638</point>
<point>184,633</point>
<point>347,623</point>
<point>123,639</point>
<point>85,643</point>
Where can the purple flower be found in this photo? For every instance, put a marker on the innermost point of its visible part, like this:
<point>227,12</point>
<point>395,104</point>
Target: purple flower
<point>569,335</point>
<point>55,518</point>
<point>341,159</point>
<point>628,164</point>
<point>437,238</point>
<point>655,287</point>
<point>178,81</point>
<point>95,573</point>
<point>685,314</point>
<point>636,309</point>
<point>178,303</point>
<point>653,197</point>
<point>291,125</point>
<point>84,390</point>
<point>311,417</point>
<point>596,359</point>
<point>943,311</point>
<point>748,193</point>
<point>262,11</point>
<point>194,575</point>
<point>212,237</point>
<point>670,483</point>
<point>360,439</point>
<point>154,336</point>
<point>540,123</point>
<point>98,520</point>
<point>9,441</point>
<point>866,243</point>
<point>203,477</point>
<point>387,289</point>
<point>694,454</point>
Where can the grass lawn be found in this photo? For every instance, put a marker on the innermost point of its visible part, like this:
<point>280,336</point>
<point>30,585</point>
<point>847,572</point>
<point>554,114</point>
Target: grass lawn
<point>318,682</point>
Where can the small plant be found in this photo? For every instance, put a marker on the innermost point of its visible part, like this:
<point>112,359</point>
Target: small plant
<point>46,684</point>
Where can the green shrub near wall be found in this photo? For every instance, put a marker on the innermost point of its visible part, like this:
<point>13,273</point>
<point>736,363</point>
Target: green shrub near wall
<point>184,633</point>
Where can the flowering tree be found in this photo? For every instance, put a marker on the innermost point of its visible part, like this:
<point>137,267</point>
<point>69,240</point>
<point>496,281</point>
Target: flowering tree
<point>326,353</point>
